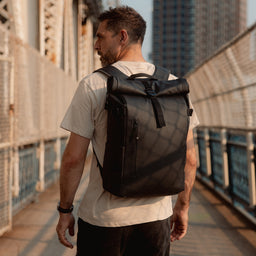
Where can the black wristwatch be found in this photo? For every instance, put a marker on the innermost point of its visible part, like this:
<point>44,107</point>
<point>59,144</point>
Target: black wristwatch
<point>62,210</point>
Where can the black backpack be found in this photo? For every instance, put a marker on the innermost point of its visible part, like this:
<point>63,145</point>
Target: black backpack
<point>148,121</point>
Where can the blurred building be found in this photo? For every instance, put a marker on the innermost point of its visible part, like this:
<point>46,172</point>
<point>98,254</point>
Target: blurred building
<point>216,23</point>
<point>186,32</point>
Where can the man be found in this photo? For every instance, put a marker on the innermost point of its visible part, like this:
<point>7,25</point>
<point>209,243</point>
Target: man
<point>111,225</point>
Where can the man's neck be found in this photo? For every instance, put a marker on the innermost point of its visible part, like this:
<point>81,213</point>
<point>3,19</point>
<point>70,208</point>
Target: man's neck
<point>132,53</point>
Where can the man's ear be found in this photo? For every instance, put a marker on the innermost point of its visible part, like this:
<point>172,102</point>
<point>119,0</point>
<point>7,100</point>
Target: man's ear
<point>124,36</point>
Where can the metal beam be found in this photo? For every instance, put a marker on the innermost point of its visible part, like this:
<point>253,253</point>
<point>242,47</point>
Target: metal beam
<point>95,7</point>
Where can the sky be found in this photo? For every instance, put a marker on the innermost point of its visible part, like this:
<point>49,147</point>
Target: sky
<point>145,8</point>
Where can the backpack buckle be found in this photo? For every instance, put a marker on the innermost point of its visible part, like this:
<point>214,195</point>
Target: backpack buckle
<point>150,92</point>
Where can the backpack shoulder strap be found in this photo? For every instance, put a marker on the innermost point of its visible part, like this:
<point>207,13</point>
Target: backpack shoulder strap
<point>161,73</point>
<point>112,71</point>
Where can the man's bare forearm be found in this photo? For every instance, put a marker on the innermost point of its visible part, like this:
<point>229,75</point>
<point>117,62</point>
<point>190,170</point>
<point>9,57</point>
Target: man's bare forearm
<point>72,169</point>
<point>70,177</point>
<point>190,173</point>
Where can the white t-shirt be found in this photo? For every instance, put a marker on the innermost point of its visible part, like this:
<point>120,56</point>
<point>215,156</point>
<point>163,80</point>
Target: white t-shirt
<point>87,117</point>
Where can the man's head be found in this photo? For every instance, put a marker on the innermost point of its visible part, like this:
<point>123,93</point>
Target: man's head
<point>119,28</point>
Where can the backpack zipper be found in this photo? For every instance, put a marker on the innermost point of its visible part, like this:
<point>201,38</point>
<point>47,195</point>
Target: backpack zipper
<point>135,127</point>
<point>136,133</point>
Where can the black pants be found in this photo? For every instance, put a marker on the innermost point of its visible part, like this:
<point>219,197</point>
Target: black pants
<point>149,239</point>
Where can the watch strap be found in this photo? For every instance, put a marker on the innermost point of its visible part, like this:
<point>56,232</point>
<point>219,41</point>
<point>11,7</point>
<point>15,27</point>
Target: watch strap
<point>63,210</point>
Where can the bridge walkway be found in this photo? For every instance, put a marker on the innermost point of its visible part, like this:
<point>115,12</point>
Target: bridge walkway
<point>215,228</point>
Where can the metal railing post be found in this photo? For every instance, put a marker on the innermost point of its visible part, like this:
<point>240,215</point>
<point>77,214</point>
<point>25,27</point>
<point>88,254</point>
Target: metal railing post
<point>58,154</point>
<point>251,169</point>
<point>208,152</point>
<point>41,183</point>
<point>224,157</point>
<point>16,173</point>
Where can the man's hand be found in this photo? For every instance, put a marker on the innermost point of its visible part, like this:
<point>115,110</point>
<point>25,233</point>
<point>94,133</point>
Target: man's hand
<point>179,223</point>
<point>66,221</point>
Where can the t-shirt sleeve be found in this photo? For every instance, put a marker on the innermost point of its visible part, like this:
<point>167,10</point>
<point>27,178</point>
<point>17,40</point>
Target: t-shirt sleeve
<point>78,118</point>
<point>193,119</point>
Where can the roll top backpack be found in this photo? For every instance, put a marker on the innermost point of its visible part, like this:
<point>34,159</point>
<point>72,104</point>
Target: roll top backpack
<point>147,126</point>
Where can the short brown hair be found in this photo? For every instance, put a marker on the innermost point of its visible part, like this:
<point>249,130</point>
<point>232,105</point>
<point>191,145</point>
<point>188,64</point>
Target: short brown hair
<point>125,17</point>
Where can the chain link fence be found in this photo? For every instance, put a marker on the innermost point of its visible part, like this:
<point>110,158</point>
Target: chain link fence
<point>223,88</point>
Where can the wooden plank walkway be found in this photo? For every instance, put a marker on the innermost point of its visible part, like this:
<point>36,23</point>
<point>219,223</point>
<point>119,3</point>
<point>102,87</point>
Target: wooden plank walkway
<point>215,229</point>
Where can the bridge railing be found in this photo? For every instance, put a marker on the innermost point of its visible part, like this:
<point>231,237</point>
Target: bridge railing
<point>223,92</point>
<point>34,95</point>
<point>226,162</point>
